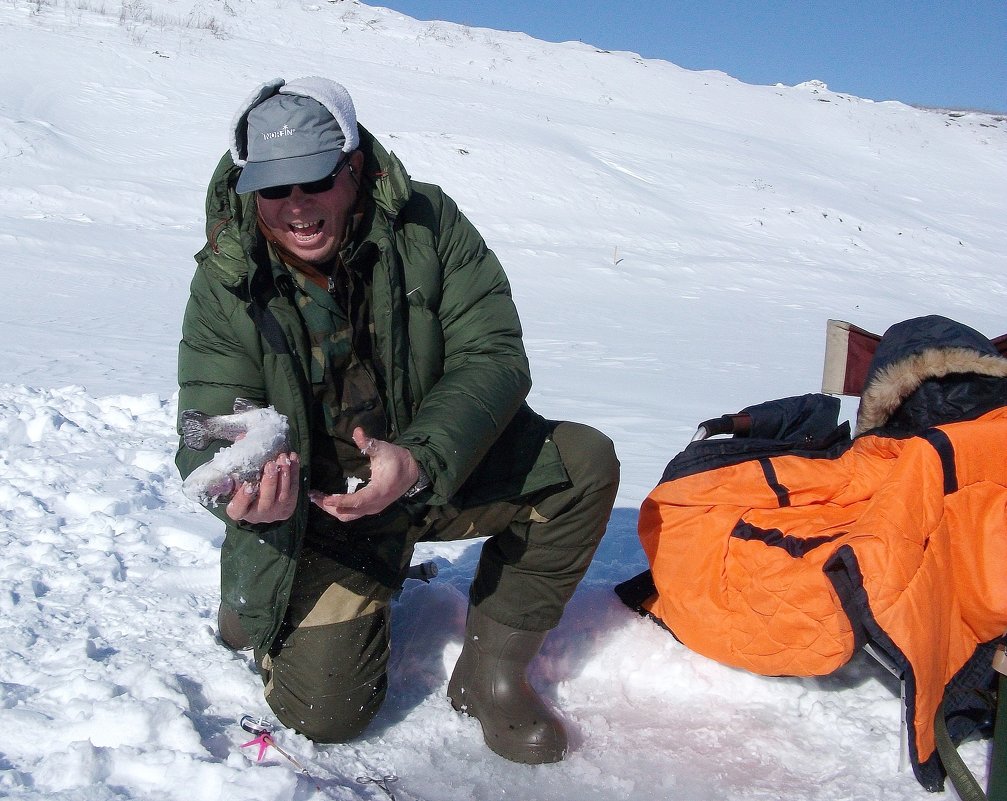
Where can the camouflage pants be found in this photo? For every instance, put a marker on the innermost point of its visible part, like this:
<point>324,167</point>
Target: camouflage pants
<point>326,675</point>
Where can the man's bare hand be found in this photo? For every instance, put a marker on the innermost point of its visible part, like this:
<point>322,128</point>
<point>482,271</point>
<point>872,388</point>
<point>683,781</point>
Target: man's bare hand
<point>274,498</point>
<point>393,471</point>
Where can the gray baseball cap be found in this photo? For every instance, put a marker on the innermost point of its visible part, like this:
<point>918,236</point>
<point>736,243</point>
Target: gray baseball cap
<point>291,139</point>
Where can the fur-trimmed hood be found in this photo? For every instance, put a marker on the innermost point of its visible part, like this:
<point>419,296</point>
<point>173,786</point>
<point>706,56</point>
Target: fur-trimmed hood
<point>929,349</point>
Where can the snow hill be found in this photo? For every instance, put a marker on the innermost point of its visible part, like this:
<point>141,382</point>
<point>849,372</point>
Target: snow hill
<point>676,242</point>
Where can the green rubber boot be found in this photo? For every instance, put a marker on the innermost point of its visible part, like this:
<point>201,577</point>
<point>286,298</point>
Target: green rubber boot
<point>489,683</point>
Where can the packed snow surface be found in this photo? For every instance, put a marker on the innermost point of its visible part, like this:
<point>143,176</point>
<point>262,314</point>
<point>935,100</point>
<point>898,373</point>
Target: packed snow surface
<point>676,242</point>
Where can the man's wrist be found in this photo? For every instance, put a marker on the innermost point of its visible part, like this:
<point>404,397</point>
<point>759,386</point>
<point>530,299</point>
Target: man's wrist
<point>422,482</point>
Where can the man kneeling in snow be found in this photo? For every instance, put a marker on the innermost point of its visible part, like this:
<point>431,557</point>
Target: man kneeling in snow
<point>367,309</point>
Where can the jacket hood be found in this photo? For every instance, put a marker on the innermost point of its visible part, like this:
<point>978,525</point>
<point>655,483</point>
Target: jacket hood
<point>913,352</point>
<point>231,231</point>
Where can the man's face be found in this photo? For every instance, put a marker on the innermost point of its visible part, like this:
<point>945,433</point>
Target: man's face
<point>311,226</point>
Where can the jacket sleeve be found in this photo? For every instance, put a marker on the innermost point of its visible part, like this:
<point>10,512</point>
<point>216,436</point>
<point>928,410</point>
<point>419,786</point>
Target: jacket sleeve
<point>216,364</point>
<point>485,375</point>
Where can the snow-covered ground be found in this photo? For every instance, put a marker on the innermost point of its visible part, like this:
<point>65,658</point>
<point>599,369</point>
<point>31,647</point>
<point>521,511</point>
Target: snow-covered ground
<point>676,242</point>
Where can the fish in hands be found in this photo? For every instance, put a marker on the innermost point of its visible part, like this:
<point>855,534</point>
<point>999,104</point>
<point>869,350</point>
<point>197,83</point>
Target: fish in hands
<point>259,436</point>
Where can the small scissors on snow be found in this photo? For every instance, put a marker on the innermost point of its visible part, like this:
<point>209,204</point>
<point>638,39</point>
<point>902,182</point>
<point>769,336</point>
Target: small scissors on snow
<point>264,739</point>
<point>383,782</point>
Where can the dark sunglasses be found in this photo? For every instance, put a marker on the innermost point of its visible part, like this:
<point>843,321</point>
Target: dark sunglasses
<point>310,188</point>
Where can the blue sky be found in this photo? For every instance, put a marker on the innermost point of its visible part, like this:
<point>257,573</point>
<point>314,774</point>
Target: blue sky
<point>949,53</point>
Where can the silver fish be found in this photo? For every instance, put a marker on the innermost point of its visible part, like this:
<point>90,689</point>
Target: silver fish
<point>259,436</point>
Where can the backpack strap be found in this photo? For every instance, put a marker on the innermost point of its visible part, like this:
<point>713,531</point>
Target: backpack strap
<point>997,789</point>
<point>961,777</point>
<point>965,784</point>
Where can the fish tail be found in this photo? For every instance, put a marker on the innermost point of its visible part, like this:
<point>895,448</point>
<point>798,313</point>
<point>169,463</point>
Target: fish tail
<point>195,430</point>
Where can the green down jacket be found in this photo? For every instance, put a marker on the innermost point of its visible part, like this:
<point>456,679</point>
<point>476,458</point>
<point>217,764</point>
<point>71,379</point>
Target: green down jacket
<point>447,333</point>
